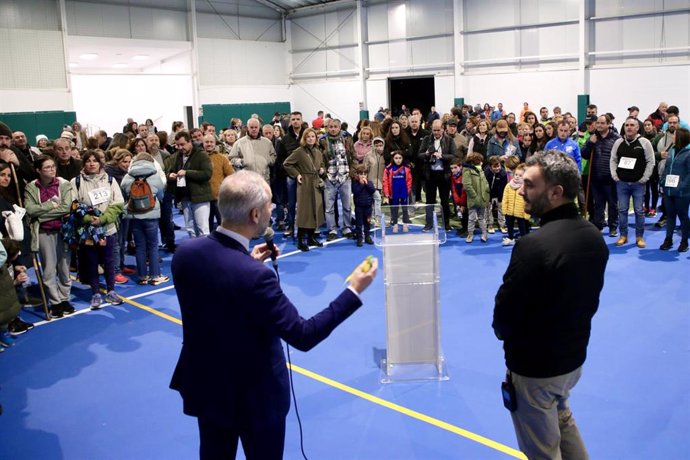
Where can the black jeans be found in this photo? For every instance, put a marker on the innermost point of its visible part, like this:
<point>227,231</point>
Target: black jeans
<point>677,206</point>
<point>604,193</point>
<point>166,222</point>
<point>437,181</point>
<point>523,226</point>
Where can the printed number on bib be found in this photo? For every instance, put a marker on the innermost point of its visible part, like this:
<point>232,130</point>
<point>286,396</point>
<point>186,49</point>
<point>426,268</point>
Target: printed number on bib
<point>627,163</point>
<point>672,180</point>
<point>99,196</point>
<point>182,181</point>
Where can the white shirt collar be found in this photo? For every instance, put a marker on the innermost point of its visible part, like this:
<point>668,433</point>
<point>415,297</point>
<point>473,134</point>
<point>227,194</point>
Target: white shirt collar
<point>235,236</point>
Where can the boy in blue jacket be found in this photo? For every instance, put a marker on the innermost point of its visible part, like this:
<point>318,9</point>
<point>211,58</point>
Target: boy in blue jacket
<point>363,193</point>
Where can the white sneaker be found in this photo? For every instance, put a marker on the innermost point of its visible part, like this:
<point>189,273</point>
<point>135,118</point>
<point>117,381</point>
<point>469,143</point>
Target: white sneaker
<point>508,242</point>
<point>492,230</point>
<point>484,238</point>
<point>406,228</point>
<point>395,228</point>
<point>469,238</point>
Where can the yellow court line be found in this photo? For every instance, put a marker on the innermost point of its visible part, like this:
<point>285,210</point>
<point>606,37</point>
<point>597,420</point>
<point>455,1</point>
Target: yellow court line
<point>374,399</point>
<point>411,413</point>
<point>153,310</point>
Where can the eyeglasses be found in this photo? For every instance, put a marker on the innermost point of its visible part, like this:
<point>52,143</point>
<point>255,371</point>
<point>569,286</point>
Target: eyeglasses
<point>48,168</point>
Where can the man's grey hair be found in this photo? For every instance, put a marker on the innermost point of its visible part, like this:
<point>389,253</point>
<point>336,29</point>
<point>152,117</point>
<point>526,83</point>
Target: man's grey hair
<point>239,194</point>
<point>558,169</point>
<point>334,121</point>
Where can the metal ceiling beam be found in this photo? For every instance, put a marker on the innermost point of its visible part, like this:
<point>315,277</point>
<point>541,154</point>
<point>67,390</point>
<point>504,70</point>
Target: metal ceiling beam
<point>270,4</point>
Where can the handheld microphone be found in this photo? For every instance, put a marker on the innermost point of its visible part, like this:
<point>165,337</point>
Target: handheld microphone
<point>268,238</point>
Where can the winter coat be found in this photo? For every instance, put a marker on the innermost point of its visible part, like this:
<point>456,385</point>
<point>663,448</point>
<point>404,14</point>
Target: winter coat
<point>677,164</point>
<point>306,161</point>
<point>198,173</point>
<point>221,169</point>
<point>111,209</point>
<point>513,204</point>
<point>476,186</point>
<point>147,169</point>
<point>43,212</point>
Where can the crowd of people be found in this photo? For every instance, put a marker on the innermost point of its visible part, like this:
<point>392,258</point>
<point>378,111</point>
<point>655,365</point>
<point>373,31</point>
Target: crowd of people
<point>92,199</point>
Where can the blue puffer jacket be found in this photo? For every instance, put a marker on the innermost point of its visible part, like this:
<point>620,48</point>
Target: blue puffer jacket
<point>678,164</point>
<point>143,168</point>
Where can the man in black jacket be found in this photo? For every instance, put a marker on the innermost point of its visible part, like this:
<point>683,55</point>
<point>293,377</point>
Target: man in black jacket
<point>289,143</point>
<point>545,329</point>
<point>435,154</point>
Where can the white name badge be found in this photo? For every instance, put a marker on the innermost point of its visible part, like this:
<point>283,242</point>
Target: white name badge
<point>182,181</point>
<point>672,180</point>
<point>627,163</point>
<point>99,196</point>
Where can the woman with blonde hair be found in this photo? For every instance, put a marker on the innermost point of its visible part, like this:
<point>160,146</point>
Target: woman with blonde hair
<point>306,165</point>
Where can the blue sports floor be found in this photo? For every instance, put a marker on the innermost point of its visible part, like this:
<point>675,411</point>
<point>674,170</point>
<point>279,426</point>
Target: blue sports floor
<point>95,385</point>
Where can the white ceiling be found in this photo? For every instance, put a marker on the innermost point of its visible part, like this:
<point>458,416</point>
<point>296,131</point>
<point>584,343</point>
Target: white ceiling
<point>115,55</point>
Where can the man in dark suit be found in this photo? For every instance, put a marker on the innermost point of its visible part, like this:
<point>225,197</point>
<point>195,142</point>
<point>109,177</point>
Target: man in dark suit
<point>231,373</point>
<point>544,308</point>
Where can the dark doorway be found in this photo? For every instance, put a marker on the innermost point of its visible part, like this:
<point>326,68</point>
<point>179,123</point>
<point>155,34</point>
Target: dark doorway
<point>413,92</point>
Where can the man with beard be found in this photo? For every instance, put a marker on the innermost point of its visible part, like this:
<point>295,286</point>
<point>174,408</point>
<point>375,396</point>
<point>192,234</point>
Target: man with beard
<point>248,397</point>
<point>288,143</point>
<point>545,329</point>
<point>416,134</point>
<point>597,149</point>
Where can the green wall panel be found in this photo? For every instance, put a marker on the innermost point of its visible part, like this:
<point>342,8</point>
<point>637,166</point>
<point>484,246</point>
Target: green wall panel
<point>220,114</point>
<point>34,123</point>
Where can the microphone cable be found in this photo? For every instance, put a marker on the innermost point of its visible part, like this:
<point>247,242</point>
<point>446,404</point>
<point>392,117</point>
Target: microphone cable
<point>292,388</point>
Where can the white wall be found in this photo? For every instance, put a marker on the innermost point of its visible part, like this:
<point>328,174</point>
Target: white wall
<point>244,94</point>
<point>545,88</point>
<point>339,98</point>
<point>377,95</point>
<point>35,100</point>
<point>614,90</point>
<point>233,62</point>
<point>106,101</point>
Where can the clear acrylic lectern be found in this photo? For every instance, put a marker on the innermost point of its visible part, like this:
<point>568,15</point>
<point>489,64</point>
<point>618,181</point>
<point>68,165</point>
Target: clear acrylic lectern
<point>411,280</point>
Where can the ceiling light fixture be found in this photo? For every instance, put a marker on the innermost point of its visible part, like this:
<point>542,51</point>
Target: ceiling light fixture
<point>88,56</point>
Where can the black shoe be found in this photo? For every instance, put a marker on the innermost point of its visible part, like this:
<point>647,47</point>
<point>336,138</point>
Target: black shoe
<point>427,229</point>
<point>331,237</point>
<point>368,240</point>
<point>18,327</point>
<point>683,246</point>
<point>461,233</point>
<point>67,308</point>
<point>302,246</point>
<point>661,223</point>
<point>289,232</point>
<point>56,311</point>
<point>448,228</point>
<point>281,227</point>
<point>360,243</point>
<point>311,241</point>
<point>349,235</point>
<point>176,227</point>
<point>666,245</point>
<point>613,233</point>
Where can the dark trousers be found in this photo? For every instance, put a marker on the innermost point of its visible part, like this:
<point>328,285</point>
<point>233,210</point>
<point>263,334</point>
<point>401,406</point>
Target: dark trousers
<point>523,226</point>
<point>362,221</point>
<point>213,215</point>
<point>218,442</point>
<point>395,210</point>
<point>604,193</point>
<point>417,182</point>
<point>291,202</point>
<point>437,181</point>
<point>90,257</point>
<point>280,198</point>
<point>652,191</point>
<point>677,206</point>
<point>166,222</point>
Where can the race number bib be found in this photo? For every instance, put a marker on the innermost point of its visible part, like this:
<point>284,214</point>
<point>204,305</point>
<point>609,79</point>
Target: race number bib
<point>99,196</point>
<point>182,181</point>
<point>672,180</point>
<point>627,163</point>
